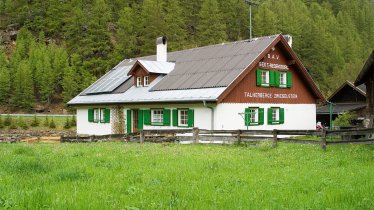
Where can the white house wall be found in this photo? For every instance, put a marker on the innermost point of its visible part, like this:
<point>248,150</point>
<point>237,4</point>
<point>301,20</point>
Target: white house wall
<point>296,117</point>
<point>89,128</point>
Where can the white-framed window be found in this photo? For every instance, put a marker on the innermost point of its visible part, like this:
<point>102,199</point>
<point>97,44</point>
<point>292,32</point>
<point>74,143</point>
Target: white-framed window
<point>146,80</point>
<point>96,115</point>
<point>138,82</point>
<point>157,116</point>
<point>253,115</point>
<point>102,115</point>
<point>182,117</point>
<point>265,78</point>
<point>282,79</point>
<point>275,114</point>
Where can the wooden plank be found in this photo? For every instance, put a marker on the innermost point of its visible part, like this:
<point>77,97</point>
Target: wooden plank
<point>298,141</point>
<point>275,138</point>
<point>141,137</point>
<point>300,132</point>
<point>195,135</point>
<point>366,141</point>
<point>168,131</point>
<point>351,131</point>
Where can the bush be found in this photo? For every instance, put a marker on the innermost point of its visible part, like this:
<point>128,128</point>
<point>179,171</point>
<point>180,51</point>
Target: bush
<point>1,123</point>
<point>35,122</point>
<point>73,122</point>
<point>13,125</point>
<point>8,120</point>
<point>344,119</point>
<point>52,124</point>
<point>67,124</point>
<point>22,124</point>
<point>46,121</point>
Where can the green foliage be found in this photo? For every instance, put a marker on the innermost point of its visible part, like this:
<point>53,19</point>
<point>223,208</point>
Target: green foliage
<point>73,122</point>
<point>35,122</point>
<point>52,124</point>
<point>22,123</point>
<point>4,79</point>
<point>67,123</point>
<point>23,97</point>
<point>344,119</point>
<point>1,123</point>
<point>211,28</point>
<point>46,121</point>
<point>13,125</point>
<point>8,120</point>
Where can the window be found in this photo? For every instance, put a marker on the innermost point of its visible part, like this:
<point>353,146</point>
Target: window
<point>275,115</point>
<point>102,115</point>
<point>254,116</point>
<point>96,115</point>
<point>138,82</point>
<point>146,80</point>
<point>157,116</point>
<point>183,117</point>
<point>265,77</point>
<point>282,79</point>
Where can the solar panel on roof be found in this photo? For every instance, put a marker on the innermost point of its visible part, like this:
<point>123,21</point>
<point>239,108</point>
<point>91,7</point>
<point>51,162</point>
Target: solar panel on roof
<point>109,81</point>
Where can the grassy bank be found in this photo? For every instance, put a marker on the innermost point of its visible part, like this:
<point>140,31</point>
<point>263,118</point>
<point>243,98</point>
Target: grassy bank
<point>38,122</point>
<point>163,176</point>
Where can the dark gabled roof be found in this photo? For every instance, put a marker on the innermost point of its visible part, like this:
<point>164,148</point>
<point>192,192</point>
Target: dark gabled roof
<point>360,89</point>
<point>368,68</point>
<point>340,108</point>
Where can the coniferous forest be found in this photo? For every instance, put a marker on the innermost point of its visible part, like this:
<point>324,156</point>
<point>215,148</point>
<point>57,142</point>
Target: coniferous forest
<point>50,50</point>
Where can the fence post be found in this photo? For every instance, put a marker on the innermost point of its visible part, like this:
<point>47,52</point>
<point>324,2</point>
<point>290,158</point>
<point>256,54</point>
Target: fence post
<point>141,136</point>
<point>239,136</point>
<point>323,139</point>
<point>275,138</point>
<point>195,135</point>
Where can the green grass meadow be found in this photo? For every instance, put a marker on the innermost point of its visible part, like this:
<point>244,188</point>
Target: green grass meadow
<point>173,176</point>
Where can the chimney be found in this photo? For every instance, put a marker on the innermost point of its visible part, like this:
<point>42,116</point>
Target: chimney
<point>288,38</point>
<point>161,43</point>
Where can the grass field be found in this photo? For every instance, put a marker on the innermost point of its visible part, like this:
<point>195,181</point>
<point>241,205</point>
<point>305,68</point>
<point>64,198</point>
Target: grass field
<point>171,176</point>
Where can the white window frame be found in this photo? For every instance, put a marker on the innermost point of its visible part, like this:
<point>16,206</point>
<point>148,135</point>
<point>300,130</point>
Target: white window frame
<point>182,117</point>
<point>265,78</point>
<point>157,116</point>
<point>275,114</point>
<point>96,117</point>
<point>253,115</point>
<point>146,81</point>
<point>102,115</point>
<point>138,81</point>
<point>282,79</point>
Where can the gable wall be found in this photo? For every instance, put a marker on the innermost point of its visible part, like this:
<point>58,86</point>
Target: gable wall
<point>247,91</point>
<point>140,72</point>
<point>348,94</point>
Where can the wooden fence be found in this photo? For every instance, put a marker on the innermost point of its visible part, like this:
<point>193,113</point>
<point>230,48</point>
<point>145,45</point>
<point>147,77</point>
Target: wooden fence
<point>195,135</point>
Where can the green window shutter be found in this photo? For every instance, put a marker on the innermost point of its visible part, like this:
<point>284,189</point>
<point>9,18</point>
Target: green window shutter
<point>272,78</point>
<point>270,116</point>
<point>289,79</point>
<point>247,116</point>
<point>191,118</point>
<point>258,77</point>
<point>90,115</point>
<point>167,117</point>
<point>128,119</point>
<point>140,120</point>
<point>175,117</point>
<point>276,78</point>
<point>147,117</point>
<point>107,116</point>
<point>261,116</point>
<point>281,115</point>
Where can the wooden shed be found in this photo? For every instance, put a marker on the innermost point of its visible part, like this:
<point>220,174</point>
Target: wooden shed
<point>366,76</point>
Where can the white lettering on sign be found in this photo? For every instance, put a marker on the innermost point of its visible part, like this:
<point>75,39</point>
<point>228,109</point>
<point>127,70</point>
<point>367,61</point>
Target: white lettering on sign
<point>273,66</point>
<point>274,57</point>
<point>270,95</point>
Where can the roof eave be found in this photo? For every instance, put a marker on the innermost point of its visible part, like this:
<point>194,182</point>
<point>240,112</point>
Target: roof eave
<point>365,70</point>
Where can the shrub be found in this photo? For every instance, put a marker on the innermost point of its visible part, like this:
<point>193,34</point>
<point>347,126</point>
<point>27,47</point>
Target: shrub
<point>344,119</point>
<point>13,125</point>
<point>67,124</point>
<point>46,121</point>
<point>8,120</point>
<point>73,122</point>
<point>1,123</point>
<point>35,122</point>
<point>22,124</point>
<point>52,124</point>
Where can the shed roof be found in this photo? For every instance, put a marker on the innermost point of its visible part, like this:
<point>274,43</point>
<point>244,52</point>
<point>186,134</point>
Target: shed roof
<point>340,108</point>
<point>368,68</point>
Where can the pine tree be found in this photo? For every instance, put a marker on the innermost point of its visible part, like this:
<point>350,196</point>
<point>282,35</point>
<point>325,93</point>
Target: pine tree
<point>4,80</point>
<point>235,13</point>
<point>126,34</point>
<point>52,124</point>
<point>175,26</point>
<point>211,28</point>
<point>265,21</point>
<point>70,84</point>
<point>35,122</point>
<point>23,98</point>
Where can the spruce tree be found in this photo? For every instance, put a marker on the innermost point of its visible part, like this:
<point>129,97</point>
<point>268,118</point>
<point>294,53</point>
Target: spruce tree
<point>175,26</point>
<point>70,84</point>
<point>211,28</point>
<point>4,79</point>
<point>126,34</point>
<point>23,97</point>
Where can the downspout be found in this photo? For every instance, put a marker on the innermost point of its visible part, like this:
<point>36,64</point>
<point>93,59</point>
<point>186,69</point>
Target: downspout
<point>212,114</point>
